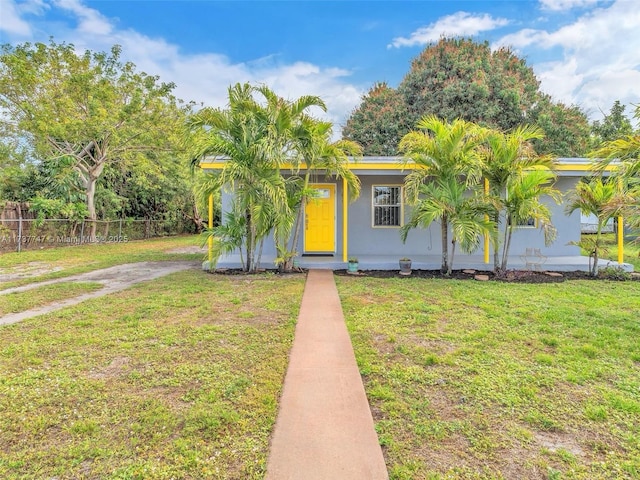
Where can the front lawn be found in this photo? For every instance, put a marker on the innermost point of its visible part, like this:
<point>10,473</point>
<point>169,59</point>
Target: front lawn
<point>175,378</point>
<point>486,380</point>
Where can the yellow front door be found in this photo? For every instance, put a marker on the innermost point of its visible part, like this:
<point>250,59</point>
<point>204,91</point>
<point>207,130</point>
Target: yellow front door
<point>320,221</point>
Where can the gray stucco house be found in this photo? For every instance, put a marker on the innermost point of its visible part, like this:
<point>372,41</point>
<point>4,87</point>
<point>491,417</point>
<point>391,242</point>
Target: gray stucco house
<point>337,228</point>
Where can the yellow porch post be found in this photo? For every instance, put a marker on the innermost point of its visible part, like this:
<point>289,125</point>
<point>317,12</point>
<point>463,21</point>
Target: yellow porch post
<point>620,230</point>
<point>345,220</point>
<point>210,241</point>
<point>486,217</point>
<point>620,239</point>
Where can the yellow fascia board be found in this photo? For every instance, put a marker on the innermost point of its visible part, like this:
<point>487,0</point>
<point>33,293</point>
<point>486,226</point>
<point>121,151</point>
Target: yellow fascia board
<point>579,167</point>
<point>302,166</point>
<point>212,165</point>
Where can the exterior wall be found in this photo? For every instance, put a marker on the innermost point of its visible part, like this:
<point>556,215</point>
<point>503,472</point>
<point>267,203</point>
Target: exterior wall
<point>364,239</point>
<point>568,228</point>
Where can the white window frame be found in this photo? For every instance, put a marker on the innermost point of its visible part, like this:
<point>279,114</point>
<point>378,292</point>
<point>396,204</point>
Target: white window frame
<point>374,206</point>
<point>526,225</point>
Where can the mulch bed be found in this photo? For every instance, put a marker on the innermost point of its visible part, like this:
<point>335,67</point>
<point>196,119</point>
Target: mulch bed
<point>510,276</point>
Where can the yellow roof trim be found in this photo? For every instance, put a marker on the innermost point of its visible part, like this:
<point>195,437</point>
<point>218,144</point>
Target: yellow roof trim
<point>580,167</point>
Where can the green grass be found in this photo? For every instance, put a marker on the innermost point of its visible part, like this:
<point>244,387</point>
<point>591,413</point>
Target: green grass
<point>493,380</point>
<point>61,262</point>
<point>174,378</point>
<point>40,296</point>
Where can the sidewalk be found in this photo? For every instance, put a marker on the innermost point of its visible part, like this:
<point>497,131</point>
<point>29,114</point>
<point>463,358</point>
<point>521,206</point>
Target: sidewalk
<point>324,429</point>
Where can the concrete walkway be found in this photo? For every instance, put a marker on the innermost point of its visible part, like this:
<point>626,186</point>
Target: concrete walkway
<point>324,428</point>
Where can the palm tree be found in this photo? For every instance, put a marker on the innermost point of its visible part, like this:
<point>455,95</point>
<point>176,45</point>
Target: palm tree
<point>523,202</point>
<point>441,150</point>
<point>595,198</point>
<point>446,200</point>
<point>625,152</point>
<point>317,151</point>
<point>506,156</point>
<point>253,138</point>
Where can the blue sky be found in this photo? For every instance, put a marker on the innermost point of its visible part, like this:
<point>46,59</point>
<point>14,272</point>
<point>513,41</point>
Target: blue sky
<point>584,52</point>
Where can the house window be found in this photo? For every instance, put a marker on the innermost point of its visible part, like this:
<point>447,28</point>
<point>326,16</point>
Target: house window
<point>526,223</point>
<point>387,206</point>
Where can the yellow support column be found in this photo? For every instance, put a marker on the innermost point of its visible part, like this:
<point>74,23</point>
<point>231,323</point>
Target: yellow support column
<point>210,241</point>
<point>345,220</point>
<point>620,230</point>
<point>620,240</point>
<point>486,217</point>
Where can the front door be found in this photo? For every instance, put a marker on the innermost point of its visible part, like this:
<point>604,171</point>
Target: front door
<point>320,221</point>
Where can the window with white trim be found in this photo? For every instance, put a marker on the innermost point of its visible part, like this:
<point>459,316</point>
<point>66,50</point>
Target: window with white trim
<point>387,205</point>
<point>526,223</point>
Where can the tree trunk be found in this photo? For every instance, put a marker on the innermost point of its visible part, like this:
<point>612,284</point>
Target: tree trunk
<point>496,245</point>
<point>250,245</point>
<point>296,232</point>
<point>453,252</point>
<point>445,245</point>
<point>288,266</point>
<point>91,206</point>
<point>259,259</point>
<point>594,269</point>
<point>507,245</point>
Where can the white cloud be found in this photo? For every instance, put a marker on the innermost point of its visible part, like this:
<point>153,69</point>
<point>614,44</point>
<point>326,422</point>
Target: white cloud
<point>90,21</point>
<point>12,23</point>
<point>458,24</point>
<point>561,80</point>
<point>600,57</point>
<point>560,5</point>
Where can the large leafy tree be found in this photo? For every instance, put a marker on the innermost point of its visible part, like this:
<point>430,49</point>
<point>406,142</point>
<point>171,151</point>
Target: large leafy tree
<point>613,126</point>
<point>440,152</point>
<point>566,128</point>
<point>459,78</point>
<point>88,109</point>
<point>379,122</point>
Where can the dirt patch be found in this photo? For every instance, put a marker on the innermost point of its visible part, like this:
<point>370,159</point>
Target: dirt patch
<point>115,369</point>
<point>191,249</point>
<point>556,441</point>
<point>27,270</point>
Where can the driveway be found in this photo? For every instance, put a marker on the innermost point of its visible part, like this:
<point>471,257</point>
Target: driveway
<point>113,279</point>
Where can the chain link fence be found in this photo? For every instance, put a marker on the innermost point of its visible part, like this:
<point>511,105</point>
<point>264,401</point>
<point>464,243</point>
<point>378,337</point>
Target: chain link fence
<point>22,234</point>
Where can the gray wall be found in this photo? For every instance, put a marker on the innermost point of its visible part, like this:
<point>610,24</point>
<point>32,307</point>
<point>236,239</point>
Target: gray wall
<point>364,239</point>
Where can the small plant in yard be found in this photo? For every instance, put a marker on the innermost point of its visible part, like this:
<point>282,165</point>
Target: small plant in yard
<point>611,272</point>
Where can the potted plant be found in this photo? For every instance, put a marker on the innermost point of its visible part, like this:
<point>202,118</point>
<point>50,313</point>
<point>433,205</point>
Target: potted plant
<point>352,265</point>
<point>405,266</point>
